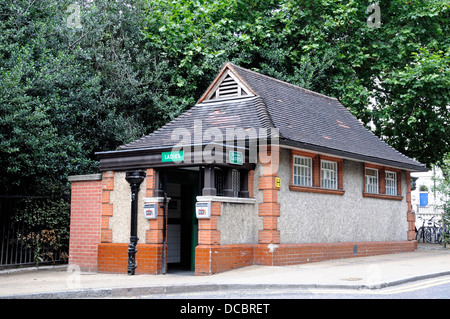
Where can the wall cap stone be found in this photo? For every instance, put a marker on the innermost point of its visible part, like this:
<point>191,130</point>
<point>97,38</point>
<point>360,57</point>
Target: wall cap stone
<point>84,178</point>
<point>225,199</point>
<point>155,199</point>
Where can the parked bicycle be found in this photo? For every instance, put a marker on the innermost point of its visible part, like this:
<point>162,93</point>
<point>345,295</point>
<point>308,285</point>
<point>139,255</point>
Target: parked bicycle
<point>440,235</point>
<point>431,232</point>
<point>421,231</point>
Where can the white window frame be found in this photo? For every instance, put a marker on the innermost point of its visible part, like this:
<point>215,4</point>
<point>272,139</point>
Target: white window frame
<point>372,181</point>
<point>328,174</point>
<point>302,171</point>
<point>391,183</point>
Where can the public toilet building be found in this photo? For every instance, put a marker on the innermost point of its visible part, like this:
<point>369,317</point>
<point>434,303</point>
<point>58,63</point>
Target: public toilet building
<point>259,171</point>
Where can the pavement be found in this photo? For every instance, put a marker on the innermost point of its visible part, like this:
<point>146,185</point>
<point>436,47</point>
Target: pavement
<point>374,272</point>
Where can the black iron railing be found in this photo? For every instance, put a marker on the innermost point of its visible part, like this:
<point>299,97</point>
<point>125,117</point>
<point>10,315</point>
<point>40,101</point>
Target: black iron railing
<point>34,230</point>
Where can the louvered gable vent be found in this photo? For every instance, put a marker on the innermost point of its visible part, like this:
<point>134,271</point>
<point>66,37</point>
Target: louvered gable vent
<point>228,87</point>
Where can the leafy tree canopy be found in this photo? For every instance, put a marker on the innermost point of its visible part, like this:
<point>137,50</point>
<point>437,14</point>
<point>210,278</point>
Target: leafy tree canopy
<point>394,78</point>
<point>66,93</point>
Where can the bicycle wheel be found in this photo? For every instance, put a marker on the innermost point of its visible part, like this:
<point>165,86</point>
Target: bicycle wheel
<point>429,235</point>
<point>439,238</point>
<point>419,234</point>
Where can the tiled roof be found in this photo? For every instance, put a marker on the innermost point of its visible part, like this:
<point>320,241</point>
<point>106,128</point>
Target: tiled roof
<point>241,113</point>
<point>305,119</point>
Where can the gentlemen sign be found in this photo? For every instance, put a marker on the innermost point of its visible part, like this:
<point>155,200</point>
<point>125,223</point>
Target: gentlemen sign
<point>235,157</point>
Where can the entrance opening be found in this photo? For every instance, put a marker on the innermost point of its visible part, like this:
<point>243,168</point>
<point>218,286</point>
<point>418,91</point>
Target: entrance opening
<point>183,186</point>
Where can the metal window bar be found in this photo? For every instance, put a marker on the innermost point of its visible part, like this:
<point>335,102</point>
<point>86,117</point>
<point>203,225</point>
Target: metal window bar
<point>219,181</point>
<point>329,175</point>
<point>236,182</point>
<point>372,181</point>
<point>302,171</point>
<point>391,183</point>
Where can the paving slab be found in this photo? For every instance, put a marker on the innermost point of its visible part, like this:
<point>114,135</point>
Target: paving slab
<point>372,272</point>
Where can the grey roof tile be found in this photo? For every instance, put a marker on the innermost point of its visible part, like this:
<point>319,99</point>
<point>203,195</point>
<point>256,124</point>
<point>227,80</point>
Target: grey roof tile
<point>240,113</point>
<point>304,119</point>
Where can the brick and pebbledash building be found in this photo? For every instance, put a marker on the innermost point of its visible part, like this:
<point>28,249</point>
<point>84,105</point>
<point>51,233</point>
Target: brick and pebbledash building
<point>299,180</point>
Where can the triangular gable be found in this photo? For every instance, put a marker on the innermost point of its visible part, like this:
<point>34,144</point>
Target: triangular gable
<point>227,85</point>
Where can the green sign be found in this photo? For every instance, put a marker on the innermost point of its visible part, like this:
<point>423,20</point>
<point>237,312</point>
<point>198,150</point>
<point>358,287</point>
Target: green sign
<point>236,157</point>
<point>177,156</point>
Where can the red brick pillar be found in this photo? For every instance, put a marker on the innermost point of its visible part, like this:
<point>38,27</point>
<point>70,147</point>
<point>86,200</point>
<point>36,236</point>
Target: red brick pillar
<point>208,240</point>
<point>207,228</point>
<point>107,207</point>
<point>85,220</point>
<point>269,209</point>
<point>154,234</point>
<point>410,216</point>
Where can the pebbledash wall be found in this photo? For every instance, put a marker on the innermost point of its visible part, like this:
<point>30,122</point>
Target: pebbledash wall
<point>276,226</point>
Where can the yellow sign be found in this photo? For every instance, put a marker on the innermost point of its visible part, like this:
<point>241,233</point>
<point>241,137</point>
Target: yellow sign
<point>277,182</point>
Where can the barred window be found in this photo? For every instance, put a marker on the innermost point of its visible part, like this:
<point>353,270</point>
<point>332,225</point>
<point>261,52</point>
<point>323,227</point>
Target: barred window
<point>372,180</point>
<point>236,182</point>
<point>219,180</point>
<point>328,175</point>
<point>302,171</point>
<point>391,183</point>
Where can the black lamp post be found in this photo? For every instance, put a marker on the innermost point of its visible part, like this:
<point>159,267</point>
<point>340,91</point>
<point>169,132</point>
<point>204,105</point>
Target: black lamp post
<point>135,179</point>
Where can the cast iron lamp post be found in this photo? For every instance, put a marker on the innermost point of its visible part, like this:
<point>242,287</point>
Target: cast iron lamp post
<point>135,179</point>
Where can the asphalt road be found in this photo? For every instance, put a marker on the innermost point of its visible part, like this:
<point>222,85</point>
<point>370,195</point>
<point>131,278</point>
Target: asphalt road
<point>436,288</point>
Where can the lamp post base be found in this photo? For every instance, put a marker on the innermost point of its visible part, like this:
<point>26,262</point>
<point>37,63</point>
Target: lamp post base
<point>132,255</point>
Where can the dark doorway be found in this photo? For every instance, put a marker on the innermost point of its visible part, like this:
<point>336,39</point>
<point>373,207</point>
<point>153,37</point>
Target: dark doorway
<point>182,225</point>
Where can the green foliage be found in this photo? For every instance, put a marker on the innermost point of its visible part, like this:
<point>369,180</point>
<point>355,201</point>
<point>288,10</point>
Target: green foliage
<point>135,64</point>
<point>66,93</point>
<point>50,218</point>
<point>395,77</point>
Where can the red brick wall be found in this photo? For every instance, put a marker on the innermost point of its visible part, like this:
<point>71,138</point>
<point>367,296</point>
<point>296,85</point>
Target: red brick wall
<point>85,223</point>
<point>211,259</point>
<point>291,254</point>
<point>113,258</point>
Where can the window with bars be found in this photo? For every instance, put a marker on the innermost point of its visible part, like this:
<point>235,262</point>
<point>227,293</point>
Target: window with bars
<point>302,171</point>
<point>371,180</point>
<point>219,182</point>
<point>391,183</point>
<point>236,182</point>
<point>328,175</point>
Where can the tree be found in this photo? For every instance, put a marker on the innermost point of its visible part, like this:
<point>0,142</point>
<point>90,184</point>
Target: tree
<point>394,78</point>
<point>68,93</point>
